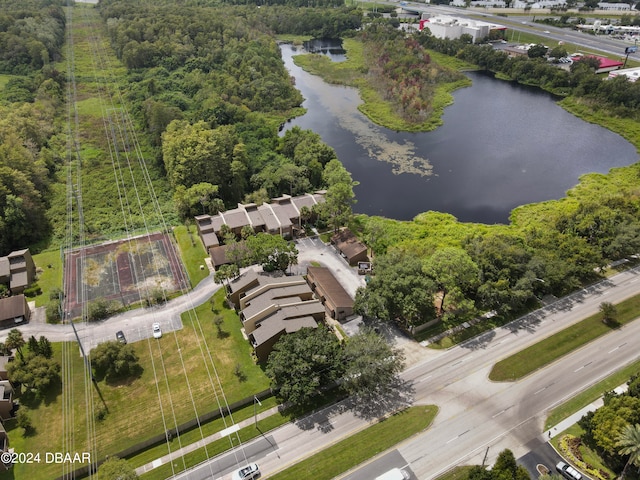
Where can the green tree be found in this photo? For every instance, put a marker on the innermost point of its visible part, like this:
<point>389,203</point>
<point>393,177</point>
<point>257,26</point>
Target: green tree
<point>114,468</point>
<point>558,52</point>
<point>195,154</point>
<point>609,312</point>
<point>199,199</point>
<point>339,199</point>
<point>113,360</point>
<point>44,347</point>
<point>15,340</point>
<point>506,468</point>
<point>370,365</point>
<point>226,272</point>
<point>305,215</point>
<point>453,270</point>
<point>629,440</point>
<point>36,373</point>
<point>100,308</point>
<point>399,291</point>
<point>23,420</point>
<point>272,252</point>
<point>303,362</point>
<point>537,51</point>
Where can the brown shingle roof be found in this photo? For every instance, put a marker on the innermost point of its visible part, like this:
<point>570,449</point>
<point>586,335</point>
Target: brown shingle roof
<point>12,307</point>
<point>332,288</point>
<point>348,244</point>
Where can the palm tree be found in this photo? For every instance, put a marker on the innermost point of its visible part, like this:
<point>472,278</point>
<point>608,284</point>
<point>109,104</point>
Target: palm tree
<point>629,440</point>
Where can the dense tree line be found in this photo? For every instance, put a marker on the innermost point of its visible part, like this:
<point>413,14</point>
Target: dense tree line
<point>436,267</point>
<point>31,34</point>
<point>316,22</point>
<point>31,38</point>
<point>208,83</point>
<point>27,169</point>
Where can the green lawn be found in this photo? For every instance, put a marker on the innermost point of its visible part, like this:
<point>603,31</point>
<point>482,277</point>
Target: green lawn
<point>134,411</point>
<point>192,253</point>
<point>551,348</point>
<point>49,272</point>
<point>365,444</point>
<point>457,473</point>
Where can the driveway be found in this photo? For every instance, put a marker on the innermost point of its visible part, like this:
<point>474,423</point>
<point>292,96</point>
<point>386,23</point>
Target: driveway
<point>315,250</point>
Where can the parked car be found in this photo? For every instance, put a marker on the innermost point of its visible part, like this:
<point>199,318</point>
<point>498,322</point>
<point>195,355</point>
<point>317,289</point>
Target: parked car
<point>251,471</point>
<point>120,337</point>
<point>157,332</point>
<point>568,472</point>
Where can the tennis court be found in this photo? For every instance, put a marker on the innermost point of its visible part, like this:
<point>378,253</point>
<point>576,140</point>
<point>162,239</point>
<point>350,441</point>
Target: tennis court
<point>125,271</point>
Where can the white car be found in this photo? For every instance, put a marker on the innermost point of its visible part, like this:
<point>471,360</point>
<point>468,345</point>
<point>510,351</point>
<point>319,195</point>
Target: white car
<point>157,332</point>
<point>251,471</point>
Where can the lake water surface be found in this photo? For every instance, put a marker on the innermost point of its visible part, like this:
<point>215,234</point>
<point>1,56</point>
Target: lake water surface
<point>502,145</point>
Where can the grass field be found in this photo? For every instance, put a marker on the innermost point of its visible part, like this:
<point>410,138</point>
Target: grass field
<point>361,446</point>
<point>551,348</point>
<point>184,380</point>
<point>458,473</point>
<point>49,272</point>
<point>192,253</point>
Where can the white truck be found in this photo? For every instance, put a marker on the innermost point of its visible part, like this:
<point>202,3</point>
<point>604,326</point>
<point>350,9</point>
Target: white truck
<point>394,474</point>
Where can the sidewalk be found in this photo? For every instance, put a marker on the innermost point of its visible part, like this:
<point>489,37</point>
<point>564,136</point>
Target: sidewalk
<point>205,441</point>
<point>567,422</point>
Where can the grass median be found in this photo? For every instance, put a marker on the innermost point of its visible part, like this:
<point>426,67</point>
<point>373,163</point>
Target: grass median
<point>551,348</point>
<point>365,444</point>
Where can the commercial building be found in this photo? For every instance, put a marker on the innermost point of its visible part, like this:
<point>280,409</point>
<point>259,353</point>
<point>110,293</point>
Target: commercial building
<point>446,26</point>
<point>606,64</point>
<point>632,74</point>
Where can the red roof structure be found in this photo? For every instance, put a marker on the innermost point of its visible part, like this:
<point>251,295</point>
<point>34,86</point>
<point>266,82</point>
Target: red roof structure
<point>606,64</point>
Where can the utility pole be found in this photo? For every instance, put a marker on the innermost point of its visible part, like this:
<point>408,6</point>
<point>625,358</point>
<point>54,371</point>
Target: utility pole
<point>255,415</point>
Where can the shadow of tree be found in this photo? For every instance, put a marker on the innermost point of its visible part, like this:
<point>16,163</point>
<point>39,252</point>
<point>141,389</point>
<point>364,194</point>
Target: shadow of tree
<point>122,381</point>
<point>374,404</point>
